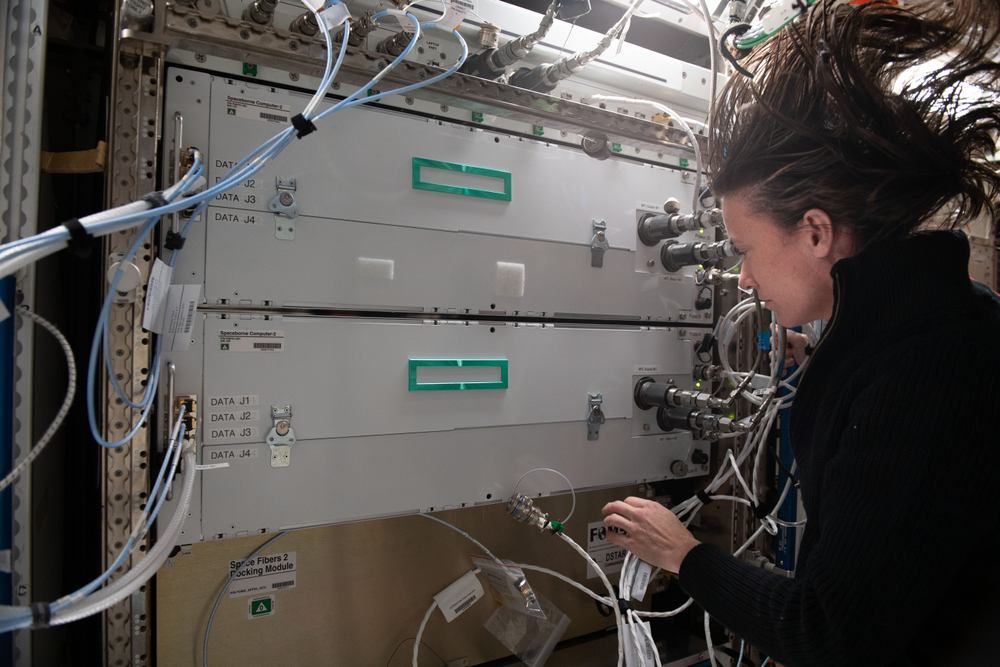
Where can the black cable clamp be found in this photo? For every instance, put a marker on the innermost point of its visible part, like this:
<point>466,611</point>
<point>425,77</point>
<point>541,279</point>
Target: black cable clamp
<point>705,498</point>
<point>303,125</point>
<point>41,614</point>
<point>174,241</point>
<point>155,198</point>
<point>80,240</point>
<point>762,510</point>
<point>624,605</point>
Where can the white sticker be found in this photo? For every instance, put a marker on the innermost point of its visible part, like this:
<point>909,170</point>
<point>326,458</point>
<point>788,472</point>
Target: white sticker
<point>261,574</point>
<point>648,206</point>
<point>247,107</point>
<point>232,433</point>
<point>156,293</point>
<point>609,557</point>
<point>647,369</point>
<point>456,13</point>
<point>632,657</point>
<point>233,401</point>
<point>461,595</point>
<point>640,580</point>
<point>335,15</point>
<point>211,466</point>
<point>252,341</point>
<point>234,417</point>
<point>178,320</point>
<point>260,607</point>
<point>232,453</point>
<point>406,24</point>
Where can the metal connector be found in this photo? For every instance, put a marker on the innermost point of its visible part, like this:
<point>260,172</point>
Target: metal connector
<point>655,228</point>
<point>674,256</point>
<point>521,508</point>
<point>260,12</point>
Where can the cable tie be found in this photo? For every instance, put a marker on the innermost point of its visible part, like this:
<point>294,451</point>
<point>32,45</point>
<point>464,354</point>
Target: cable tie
<point>80,240</point>
<point>303,125</point>
<point>41,614</point>
<point>705,498</point>
<point>174,241</point>
<point>624,605</point>
<point>762,510</point>
<point>810,349</point>
<point>155,198</point>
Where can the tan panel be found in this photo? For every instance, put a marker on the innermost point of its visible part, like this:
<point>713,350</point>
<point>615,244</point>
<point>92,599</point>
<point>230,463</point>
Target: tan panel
<point>983,264</point>
<point>363,588</point>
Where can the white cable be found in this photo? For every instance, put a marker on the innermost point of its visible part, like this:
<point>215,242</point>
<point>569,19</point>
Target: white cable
<point>534,568</point>
<point>665,614</point>
<point>140,574</point>
<point>63,410</point>
<point>607,584</point>
<point>708,640</point>
<point>696,204</point>
<point>420,632</point>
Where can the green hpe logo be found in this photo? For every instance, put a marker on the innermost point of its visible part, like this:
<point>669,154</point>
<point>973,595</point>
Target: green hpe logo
<point>261,606</point>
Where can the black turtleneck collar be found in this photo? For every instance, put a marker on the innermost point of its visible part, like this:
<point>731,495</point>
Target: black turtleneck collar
<point>890,284</point>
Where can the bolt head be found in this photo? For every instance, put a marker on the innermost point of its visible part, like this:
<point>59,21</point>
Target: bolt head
<point>645,427</point>
<point>282,428</point>
<point>600,236</point>
<point>651,263</point>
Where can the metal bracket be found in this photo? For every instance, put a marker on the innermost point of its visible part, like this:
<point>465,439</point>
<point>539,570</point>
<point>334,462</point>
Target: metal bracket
<point>281,437</point>
<point>595,418</point>
<point>285,208</point>
<point>599,243</point>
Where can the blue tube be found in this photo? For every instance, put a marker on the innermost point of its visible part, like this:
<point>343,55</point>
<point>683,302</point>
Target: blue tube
<point>785,555</point>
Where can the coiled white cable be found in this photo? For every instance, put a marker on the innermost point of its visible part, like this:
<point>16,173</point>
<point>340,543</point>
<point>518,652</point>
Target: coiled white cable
<point>63,409</point>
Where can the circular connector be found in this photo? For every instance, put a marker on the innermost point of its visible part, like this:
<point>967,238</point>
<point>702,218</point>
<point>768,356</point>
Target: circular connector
<point>637,393</point>
<point>596,145</point>
<point>644,236</point>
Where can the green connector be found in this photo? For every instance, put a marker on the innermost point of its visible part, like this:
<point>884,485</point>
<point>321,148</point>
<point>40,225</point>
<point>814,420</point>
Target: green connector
<point>249,69</point>
<point>684,162</point>
<point>616,148</point>
<point>372,91</point>
<point>537,130</point>
<point>556,526</point>
<point>477,117</point>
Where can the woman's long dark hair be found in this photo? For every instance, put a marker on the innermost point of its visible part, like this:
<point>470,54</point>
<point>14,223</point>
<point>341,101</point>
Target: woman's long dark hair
<point>879,115</point>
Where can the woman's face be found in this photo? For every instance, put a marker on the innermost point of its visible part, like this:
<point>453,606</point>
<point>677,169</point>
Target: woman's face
<point>790,269</point>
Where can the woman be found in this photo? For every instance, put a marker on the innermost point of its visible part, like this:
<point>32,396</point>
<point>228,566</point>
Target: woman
<point>830,162</point>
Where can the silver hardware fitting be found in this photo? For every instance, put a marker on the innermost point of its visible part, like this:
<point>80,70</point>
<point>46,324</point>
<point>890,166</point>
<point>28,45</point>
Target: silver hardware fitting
<point>521,508</point>
<point>285,209</point>
<point>129,283</point>
<point>281,437</point>
<point>595,418</point>
<point>599,243</point>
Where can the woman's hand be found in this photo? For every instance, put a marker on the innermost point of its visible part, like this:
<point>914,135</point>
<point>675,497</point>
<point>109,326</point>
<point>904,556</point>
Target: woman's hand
<point>795,347</point>
<point>653,533</point>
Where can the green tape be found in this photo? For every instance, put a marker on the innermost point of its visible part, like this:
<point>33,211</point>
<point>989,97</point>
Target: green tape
<point>419,184</point>
<point>457,363</point>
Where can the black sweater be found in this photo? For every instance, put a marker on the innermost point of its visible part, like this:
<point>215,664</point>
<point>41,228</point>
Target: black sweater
<point>895,430</point>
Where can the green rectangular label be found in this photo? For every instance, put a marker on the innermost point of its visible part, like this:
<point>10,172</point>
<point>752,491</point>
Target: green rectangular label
<point>261,607</point>
<point>420,184</point>
<point>457,363</point>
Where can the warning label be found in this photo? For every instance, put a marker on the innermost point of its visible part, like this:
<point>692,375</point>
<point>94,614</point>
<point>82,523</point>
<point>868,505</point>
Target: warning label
<point>259,607</point>
<point>609,557</point>
<point>247,107</point>
<point>262,574</point>
<point>252,341</point>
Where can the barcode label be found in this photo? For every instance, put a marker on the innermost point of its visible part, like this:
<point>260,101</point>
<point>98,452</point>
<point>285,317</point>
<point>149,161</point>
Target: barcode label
<point>251,341</point>
<point>264,573</point>
<point>190,318</point>
<point>274,117</point>
<point>267,111</point>
<point>465,605</point>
